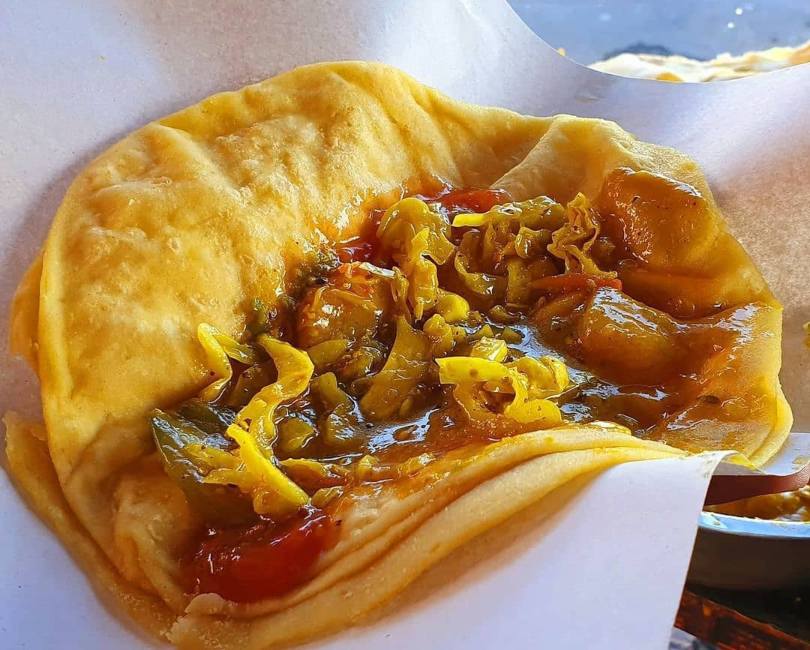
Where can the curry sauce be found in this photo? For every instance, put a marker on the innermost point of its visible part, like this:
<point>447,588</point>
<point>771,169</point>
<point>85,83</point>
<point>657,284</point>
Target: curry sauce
<point>462,319</point>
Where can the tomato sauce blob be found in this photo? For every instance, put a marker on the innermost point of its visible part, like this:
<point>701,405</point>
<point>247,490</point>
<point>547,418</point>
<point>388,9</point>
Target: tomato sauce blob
<point>266,560</point>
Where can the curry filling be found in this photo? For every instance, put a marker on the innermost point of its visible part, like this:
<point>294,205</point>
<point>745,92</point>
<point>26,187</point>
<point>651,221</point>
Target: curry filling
<point>463,319</point>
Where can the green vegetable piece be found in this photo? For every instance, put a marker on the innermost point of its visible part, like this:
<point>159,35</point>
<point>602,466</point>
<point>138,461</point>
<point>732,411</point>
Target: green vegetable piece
<point>250,382</point>
<point>511,335</point>
<point>294,434</point>
<point>407,364</point>
<point>197,424</point>
<point>338,423</point>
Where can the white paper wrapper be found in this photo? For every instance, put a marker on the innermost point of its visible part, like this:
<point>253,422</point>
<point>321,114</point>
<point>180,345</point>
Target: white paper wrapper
<point>605,567</point>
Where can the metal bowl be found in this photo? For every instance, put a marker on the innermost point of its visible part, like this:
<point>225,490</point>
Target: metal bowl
<point>740,553</point>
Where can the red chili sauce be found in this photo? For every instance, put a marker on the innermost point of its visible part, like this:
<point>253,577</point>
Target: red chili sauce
<point>265,560</point>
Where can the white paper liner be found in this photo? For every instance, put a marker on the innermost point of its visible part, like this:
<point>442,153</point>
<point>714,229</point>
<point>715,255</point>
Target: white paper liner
<point>605,570</point>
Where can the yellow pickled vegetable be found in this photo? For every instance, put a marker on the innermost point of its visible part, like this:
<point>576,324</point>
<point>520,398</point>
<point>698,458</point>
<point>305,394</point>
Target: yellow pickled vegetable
<point>313,474</point>
<point>471,370</point>
<point>529,383</point>
<point>530,243</point>
<point>541,212</point>
<point>327,352</point>
<point>452,307</point>
<point>219,350</point>
<point>403,220</point>
<point>490,349</point>
<point>412,232</point>
<point>399,291</point>
<point>250,466</point>
<point>443,336</point>
<point>423,279</point>
<point>517,282</point>
<point>326,495</point>
<point>484,330</point>
<point>359,363</point>
<point>271,491</point>
<point>364,469</point>
<point>495,240</point>
<point>546,375</point>
<point>501,314</point>
<point>338,425</point>
<point>294,369</point>
<point>511,335</point>
<point>406,366</point>
<point>484,284</point>
<point>541,412</point>
<point>294,434</point>
<point>325,388</point>
<point>572,243</point>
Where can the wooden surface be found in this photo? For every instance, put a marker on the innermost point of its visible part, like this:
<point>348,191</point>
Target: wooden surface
<point>746,620</point>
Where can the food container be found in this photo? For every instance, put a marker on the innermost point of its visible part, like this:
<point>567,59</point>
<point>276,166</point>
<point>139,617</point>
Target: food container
<point>741,553</point>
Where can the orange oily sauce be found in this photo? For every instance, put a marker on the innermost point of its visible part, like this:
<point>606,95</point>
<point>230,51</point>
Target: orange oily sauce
<point>629,362</point>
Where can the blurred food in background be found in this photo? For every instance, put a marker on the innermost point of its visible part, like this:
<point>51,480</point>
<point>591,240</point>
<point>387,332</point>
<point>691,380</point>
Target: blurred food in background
<point>723,66</point>
<point>786,506</point>
<point>674,41</point>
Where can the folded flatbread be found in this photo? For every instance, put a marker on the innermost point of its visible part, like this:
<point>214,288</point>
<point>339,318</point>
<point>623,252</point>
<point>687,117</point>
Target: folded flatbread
<point>189,219</point>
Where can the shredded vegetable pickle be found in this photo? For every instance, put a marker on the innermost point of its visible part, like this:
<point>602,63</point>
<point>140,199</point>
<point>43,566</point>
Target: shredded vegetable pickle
<point>219,350</point>
<point>573,242</point>
<point>249,466</point>
<point>436,332</point>
<point>485,285</point>
<point>272,491</point>
<point>294,369</point>
<point>541,212</point>
<point>530,382</point>
<point>405,220</point>
<point>407,365</point>
<point>415,235</point>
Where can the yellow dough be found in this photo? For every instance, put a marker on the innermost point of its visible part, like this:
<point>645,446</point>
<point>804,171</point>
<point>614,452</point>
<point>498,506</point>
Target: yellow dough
<point>188,219</point>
